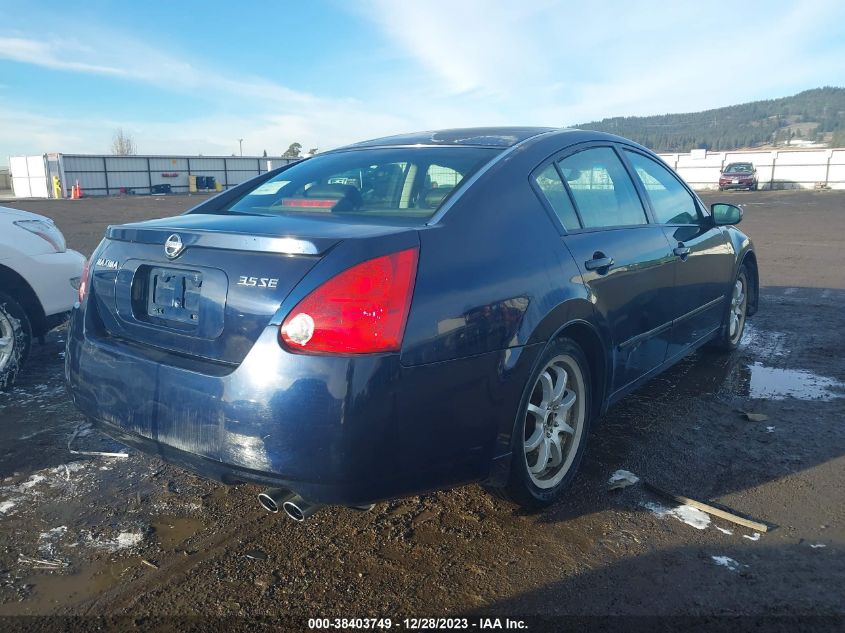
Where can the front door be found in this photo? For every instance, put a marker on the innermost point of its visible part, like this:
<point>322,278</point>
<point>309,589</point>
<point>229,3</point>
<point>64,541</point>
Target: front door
<point>626,262</point>
<point>703,253</point>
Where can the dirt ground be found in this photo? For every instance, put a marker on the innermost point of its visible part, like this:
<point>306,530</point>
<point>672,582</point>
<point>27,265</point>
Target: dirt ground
<point>99,536</point>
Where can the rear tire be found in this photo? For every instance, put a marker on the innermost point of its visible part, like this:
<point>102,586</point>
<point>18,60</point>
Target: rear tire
<point>737,312</point>
<point>15,339</point>
<point>552,427</point>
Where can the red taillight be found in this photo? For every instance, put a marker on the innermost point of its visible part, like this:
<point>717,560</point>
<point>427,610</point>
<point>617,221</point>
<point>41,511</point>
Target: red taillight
<point>84,280</point>
<point>361,310</point>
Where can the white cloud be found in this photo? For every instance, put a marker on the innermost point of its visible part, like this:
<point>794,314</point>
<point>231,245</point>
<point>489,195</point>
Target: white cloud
<point>41,53</point>
<point>466,62</point>
<point>271,116</point>
<point>554,63</point>
<point>470,45</point>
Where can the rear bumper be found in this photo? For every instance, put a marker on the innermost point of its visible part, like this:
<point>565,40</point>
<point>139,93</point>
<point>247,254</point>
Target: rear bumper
<point>338,492</point>
<point>337,430</point>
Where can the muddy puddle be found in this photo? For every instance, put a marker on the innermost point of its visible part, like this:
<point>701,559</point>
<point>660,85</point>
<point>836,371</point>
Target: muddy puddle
<point>46,591</point>
<point>174,532</point>
<point>777,383</point>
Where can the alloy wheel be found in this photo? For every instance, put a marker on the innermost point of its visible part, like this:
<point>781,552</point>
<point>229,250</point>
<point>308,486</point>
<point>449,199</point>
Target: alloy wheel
<point>739,303</point>
<point>554,421</point>
<point>7,341</point>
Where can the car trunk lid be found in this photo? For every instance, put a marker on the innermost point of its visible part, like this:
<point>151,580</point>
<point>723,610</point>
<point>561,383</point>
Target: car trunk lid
<point>207,285</point>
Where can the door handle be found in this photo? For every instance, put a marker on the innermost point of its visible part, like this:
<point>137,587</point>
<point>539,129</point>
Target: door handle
<point>598,262</point>
<point>681,250</point>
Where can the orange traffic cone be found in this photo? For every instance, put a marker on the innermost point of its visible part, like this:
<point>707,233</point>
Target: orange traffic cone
<point>73,194</point>
<point>78,190</point>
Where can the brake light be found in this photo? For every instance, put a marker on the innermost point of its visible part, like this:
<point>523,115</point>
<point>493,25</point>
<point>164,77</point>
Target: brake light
<point>309,203</point>
<point>84,280</point>
<point>359,311</point>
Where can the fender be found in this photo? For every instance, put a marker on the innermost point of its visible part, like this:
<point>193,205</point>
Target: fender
<point>744,249</point>
<point>572,314</point>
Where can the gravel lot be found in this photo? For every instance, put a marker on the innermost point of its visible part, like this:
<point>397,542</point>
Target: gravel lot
<point>136,537</point>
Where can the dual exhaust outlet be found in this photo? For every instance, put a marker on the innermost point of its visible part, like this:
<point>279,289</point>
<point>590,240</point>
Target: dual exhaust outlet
<point>292,504</point>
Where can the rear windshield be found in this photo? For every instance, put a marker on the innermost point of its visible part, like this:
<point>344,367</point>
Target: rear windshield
<point>395,183</point>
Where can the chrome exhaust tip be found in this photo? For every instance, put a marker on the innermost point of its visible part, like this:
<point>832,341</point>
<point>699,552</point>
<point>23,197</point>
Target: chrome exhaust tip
<point>274,499</point>
<point>299,509</point>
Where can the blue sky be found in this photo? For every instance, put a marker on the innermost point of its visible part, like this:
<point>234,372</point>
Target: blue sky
<point>193,77</point>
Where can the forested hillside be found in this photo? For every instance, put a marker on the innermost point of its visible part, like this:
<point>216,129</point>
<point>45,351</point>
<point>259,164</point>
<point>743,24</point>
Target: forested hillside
<point>814,115</point>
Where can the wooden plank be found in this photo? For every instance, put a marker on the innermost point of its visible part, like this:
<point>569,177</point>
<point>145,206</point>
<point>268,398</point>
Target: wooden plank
<point>704,507</point>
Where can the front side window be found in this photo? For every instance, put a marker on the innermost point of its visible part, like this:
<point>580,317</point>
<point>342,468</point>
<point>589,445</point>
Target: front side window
<point>671,202</point>
<point>552,187</point>
<point>394,183</point>
<point>603,191</point>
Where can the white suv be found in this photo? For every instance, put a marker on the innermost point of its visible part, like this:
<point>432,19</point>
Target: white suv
<point>39,278</point>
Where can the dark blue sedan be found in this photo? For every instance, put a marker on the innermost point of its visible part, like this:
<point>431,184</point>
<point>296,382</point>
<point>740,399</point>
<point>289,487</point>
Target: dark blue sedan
<point>406,314</point>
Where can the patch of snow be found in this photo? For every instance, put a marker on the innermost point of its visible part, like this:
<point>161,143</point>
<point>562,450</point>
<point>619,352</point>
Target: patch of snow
<point>724,530</point>
<point>817,545</point>
<point>5,506</point>
<point>753,537</point>
<point>726,561</point>
<point>622,479</point>
<point>764,344</point>
<point>770,429</point>
<point>692,516</point>
<point>122,541</point>
<point>55,532</point>
<point>33,480</point>
<point>128,539</point>
<point>685,513</point>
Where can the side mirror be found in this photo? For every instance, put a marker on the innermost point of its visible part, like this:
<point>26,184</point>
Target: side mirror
<point>724,214</point>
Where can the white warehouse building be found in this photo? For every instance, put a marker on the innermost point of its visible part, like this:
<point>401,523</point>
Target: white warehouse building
<point>104,175</point>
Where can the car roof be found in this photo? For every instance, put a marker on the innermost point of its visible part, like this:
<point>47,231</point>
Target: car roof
<point>501,137</point>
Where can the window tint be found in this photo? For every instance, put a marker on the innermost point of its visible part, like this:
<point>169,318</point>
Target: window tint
<point>552,187</point>
<point>672,203</point>
<point>364,184</point>
<point>737,168</point>
<point>603,192</point>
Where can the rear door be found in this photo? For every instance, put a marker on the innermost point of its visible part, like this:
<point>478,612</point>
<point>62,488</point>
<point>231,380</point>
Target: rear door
<point>703,255</point>
<point>625,261</point>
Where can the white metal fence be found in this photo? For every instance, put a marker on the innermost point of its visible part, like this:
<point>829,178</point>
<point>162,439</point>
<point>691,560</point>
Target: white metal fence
<point>104,175</point>
<point>776,169</point>
<point>109,175</point>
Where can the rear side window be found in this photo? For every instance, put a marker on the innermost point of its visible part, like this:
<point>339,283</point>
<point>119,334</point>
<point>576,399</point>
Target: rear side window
<point>552,187</point>
<point>671,202</point>
<point>603,192</point>
<point>394,183</point>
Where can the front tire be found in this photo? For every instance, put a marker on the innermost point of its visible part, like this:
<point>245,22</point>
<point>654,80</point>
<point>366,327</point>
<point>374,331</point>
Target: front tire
<point>15,339</point>
<point>734,325</point>
<point>551,430</point>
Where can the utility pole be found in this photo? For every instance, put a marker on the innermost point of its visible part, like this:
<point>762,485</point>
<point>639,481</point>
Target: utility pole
<point>241,145</point>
